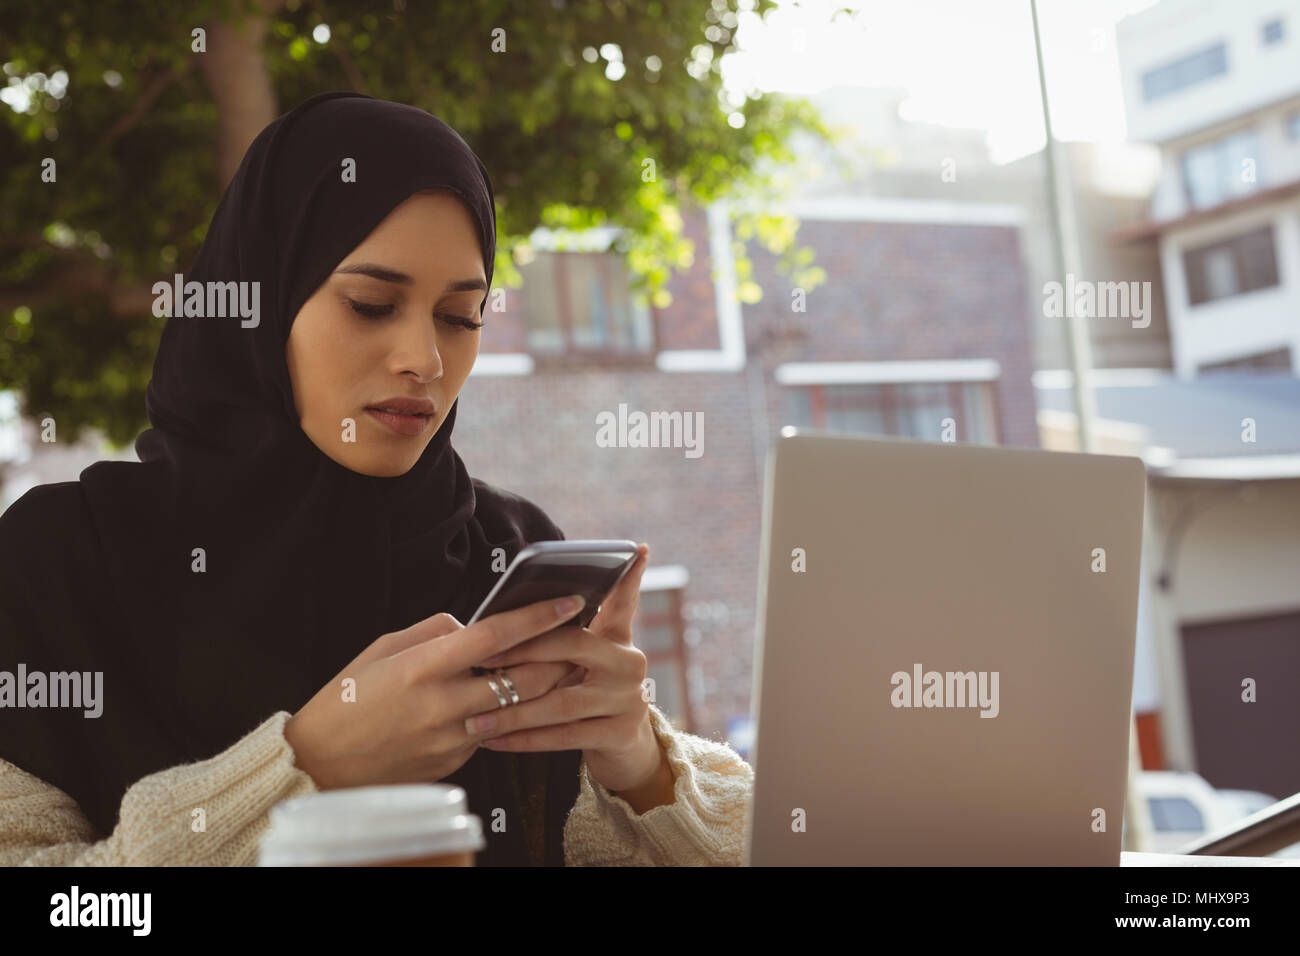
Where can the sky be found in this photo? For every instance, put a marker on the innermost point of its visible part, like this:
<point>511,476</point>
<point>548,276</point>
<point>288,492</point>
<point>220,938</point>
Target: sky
<point>965,63</point>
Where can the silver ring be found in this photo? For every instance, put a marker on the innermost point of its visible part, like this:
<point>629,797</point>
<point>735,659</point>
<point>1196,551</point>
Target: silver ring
<point>501,700</point>
<point>510,686</point>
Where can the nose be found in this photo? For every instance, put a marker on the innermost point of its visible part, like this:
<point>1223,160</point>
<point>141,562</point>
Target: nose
<point>416,351</point>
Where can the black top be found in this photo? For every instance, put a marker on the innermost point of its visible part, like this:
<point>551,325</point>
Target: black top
<point>306,562</point>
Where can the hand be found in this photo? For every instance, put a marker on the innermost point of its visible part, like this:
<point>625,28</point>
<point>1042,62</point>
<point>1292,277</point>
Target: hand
<point>413,692</point>
<point>600,710</point>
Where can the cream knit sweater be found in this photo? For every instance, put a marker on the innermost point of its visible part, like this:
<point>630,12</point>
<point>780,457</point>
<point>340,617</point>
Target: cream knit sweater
<point>40,825</point>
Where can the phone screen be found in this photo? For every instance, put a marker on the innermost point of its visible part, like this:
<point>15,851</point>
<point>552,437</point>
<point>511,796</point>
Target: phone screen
<point>554,569</point>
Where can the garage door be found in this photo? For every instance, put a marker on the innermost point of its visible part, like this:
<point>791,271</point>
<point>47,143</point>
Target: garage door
<point>1242,745</point>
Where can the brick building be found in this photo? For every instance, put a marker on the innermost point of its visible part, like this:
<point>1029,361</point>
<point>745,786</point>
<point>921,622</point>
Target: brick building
<point>923,317</point>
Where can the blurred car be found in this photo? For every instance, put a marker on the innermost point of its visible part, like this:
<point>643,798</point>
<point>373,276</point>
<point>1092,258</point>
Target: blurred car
<point>1184,807</point>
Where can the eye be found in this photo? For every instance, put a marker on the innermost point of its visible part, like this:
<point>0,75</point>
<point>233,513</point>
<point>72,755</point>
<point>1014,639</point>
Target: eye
<point>459,320</point>
<point>370,311</point>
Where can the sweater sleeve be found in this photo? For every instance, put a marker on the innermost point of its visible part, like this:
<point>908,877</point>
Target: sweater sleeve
<point>40,825</point>
<point>703,826</point>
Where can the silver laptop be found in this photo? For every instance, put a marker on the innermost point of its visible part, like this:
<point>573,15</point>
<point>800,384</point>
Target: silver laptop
<point>944,664</point>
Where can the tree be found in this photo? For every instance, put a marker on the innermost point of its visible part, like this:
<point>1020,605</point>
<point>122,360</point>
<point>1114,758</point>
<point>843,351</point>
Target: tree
<point>146,111</point>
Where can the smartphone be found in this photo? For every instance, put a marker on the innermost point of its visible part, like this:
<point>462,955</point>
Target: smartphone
<point>555,569</point>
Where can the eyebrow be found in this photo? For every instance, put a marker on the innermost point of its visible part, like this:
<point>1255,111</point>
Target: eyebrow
<point>401,278</point>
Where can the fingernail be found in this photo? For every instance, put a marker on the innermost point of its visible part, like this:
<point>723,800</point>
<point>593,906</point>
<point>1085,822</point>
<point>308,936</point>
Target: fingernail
<point>476,725</point>
<point>570,605</point>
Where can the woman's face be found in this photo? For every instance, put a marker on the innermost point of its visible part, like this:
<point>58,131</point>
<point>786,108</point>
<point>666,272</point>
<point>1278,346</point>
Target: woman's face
<point>389,329</point>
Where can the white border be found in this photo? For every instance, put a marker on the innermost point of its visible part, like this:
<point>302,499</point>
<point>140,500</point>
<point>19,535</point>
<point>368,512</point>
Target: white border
<point>595,239</point>
<point>731,333</point>
<point>845,373</point>
<point>1241,467</point>
<point>665,577</point>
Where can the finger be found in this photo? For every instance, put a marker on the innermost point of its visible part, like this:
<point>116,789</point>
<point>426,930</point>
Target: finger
<point>576,676</point>
<point>562,706</point>
<point>598,733</point>
<point>469,646</point>
<point>393,643</point>
<point>577,645</point>
<point>626,595</point>
<point>615,616</point>
<point>473,695</point>
<point>437,625</point>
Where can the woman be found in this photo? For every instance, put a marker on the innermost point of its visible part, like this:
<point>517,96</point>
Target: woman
<point>298,525</point>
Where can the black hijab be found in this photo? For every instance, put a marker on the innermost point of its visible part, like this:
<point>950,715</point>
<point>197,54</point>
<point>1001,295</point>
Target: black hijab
<point>307,562</point>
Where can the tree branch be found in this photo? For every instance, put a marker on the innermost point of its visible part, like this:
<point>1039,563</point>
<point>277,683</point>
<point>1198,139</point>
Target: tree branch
<point>237,76</point>
<point>81,276</point>
<point>148,96</point>
<point>349,65</point>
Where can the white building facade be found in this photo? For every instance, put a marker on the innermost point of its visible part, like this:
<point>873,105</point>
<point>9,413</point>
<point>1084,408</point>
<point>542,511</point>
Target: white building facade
<point>1217,87</point>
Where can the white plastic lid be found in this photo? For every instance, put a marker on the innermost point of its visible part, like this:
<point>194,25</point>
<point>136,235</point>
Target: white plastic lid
<point>370,825</point>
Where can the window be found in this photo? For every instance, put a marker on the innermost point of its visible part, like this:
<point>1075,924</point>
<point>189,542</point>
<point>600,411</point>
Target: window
<point>1188,71</point>
<point>856,408</point>
<point>1175,813</point>
<point>581,302</point>
<point>658,634</point>
<point>1272,32</point>
<point>1222,170</point>
<point>900,409</point>
<point>1231,267</point>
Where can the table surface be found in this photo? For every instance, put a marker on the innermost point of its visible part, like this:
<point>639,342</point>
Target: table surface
<point>1178,859</point>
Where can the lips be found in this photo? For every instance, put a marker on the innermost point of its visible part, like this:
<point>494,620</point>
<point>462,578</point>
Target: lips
<point>394,411</point>
<point>405,406</point>
<point>406,416</point>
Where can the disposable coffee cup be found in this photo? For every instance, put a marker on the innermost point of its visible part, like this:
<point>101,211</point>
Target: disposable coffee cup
<point>410,824</point>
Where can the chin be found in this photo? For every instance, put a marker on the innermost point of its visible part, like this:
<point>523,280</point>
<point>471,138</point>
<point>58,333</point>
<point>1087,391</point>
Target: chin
<point>386,469</point>
<point>377,466</point>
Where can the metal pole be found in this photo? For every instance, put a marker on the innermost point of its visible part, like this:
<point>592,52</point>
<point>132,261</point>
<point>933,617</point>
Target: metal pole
<point>1065,251</point>
<point>1060,201</point>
